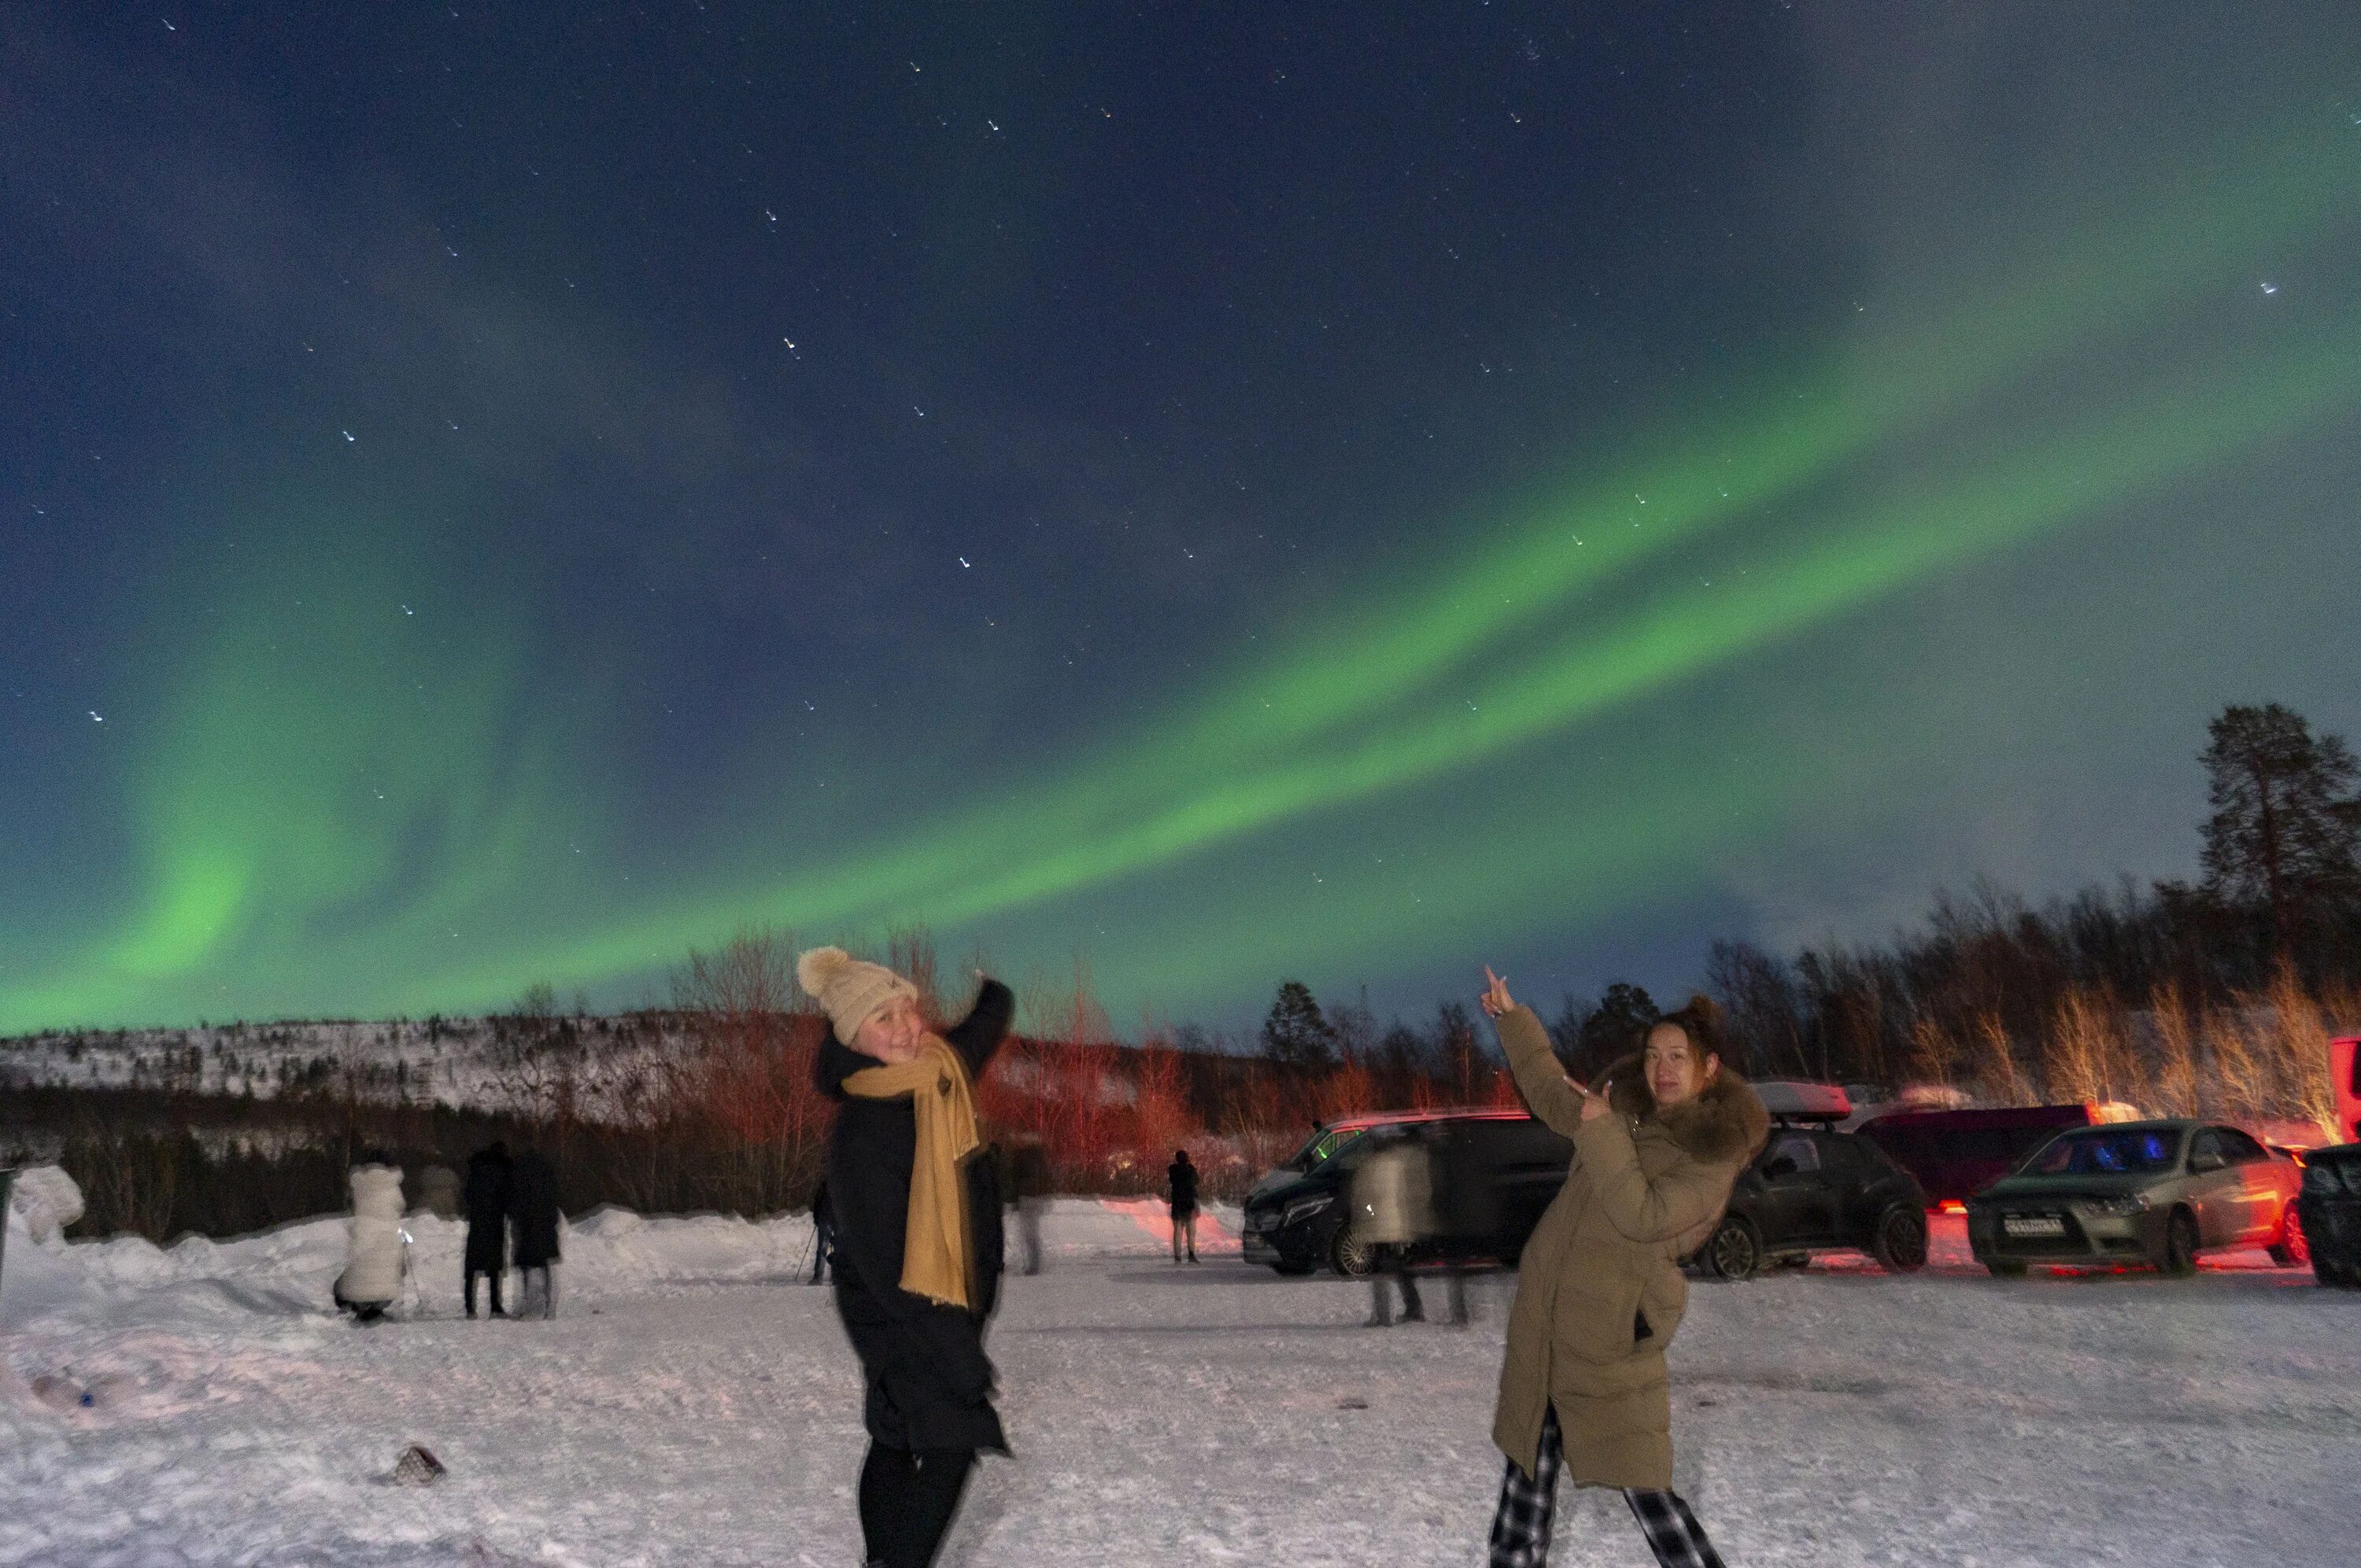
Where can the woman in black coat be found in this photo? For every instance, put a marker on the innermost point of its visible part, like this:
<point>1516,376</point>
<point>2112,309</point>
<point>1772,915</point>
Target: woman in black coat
<point>487,1198</point>
<point>929,1397</point>
<point>533,1212</point>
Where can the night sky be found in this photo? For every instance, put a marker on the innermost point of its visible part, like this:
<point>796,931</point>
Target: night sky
<point>503,493</point>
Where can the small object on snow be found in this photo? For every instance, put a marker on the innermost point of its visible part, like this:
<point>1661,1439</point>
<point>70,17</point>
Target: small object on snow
<point>417,1467</point>
<point>1352,1402</point>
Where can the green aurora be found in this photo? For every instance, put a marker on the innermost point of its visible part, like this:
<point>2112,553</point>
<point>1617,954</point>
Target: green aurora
<point>327,819</point>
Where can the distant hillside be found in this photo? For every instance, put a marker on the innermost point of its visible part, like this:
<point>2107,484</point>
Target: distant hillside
<point>499,1064</point>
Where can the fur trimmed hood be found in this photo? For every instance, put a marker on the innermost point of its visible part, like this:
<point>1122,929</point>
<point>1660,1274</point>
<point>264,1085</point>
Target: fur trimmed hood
<point>1724,1121</point>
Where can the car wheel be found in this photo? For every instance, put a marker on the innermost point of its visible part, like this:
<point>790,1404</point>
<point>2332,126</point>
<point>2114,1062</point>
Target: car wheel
<point>1900,1239</point>
<point>2002,1270</point>
<point>2290,1251</point>
<point>1733,1252</point>
<point>2179,1258</point>
<point>1352,1258</point>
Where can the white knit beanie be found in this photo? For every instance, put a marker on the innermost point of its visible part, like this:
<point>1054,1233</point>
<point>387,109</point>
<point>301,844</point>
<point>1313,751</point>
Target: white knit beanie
<point>849,990</point>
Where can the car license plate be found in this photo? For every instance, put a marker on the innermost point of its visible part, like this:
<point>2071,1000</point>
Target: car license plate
<point>2032,1226</point>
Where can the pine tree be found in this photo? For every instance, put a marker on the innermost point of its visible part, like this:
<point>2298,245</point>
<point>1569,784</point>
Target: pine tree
<point>1296,1035</point>
<point>2285,823</point>
<point>1616,1027</point>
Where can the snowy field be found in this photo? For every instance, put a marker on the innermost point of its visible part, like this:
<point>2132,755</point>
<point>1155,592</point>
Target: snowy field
<point>696,1404</point>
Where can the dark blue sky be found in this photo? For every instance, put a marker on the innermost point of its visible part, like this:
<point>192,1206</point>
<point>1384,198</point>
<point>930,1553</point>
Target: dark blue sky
<point>505,494</point>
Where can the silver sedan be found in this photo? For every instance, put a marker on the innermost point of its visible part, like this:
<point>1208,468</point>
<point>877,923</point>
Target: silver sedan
<point>2153,1192</point>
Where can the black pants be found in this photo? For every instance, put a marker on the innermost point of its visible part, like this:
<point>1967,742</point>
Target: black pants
<point>492,1275</point>
<point>823,1248</point>
<point>908,1500</point>
<point>1394,1262</point>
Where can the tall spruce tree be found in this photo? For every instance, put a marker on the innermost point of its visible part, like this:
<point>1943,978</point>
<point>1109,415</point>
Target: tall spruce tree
<point>1297,1035</point>
<point>2286,822</point>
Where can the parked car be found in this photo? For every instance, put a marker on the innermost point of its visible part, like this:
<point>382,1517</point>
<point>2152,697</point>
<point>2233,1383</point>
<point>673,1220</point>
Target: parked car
<point>1956,1153</point>
<point>2329,1215</point>
<point>1812,1190</point>
<point>2154,1192</point>
<point>1295,1217</point>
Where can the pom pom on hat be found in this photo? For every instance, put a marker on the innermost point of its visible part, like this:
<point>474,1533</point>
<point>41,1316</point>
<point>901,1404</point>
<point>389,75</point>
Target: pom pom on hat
<point>849,989</point>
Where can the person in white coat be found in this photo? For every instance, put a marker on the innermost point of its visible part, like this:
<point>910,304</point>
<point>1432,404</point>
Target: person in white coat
<point>1393,1211</point>
<point>372,1278</point>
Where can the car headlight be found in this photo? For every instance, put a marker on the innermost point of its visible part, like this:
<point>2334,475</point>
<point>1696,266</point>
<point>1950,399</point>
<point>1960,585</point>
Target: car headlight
<point>1304,1208</point>
<point>2122,1205</point>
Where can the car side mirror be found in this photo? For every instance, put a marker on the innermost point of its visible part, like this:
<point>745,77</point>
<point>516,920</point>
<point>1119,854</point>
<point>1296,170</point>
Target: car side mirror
<point>2204,1160</point>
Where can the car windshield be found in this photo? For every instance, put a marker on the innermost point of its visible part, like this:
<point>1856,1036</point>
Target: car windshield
<point>1323,1144</point>
<point>2106,1153</point>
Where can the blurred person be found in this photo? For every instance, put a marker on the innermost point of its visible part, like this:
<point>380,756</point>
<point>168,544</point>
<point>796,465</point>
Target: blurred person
<point>1028,1183</point>
<point>1393,1215</point>
<point>1459,1186</point>
<point>1181,1198</point>
<point>918,1241</point>
<point>486,1198</point>
<point>438,1191</point>
<point>534,1221</point>
<point>823,1218</point>
<point>1599,1293</point>
<point>372,1278</point>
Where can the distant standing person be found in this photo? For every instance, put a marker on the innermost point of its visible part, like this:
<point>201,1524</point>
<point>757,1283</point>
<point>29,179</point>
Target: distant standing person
<point>919,1240</point>
<point>1583,1385</point>
<point>1392,1212</point>
<point>534,1219</point>
<point>372,1278</point>
<point>823,1218</point>
<point>1181,1195</point>
<point>486,1196</point>
<point>1028,1176</point>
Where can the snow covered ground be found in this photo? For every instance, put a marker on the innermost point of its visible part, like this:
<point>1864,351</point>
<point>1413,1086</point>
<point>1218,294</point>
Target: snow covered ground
<point>696,1403</point>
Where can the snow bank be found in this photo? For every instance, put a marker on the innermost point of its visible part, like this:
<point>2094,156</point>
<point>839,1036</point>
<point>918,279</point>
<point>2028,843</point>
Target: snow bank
<point>42,1201</point>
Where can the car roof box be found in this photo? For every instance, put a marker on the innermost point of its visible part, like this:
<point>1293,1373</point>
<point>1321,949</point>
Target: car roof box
<point>1801,1100</point>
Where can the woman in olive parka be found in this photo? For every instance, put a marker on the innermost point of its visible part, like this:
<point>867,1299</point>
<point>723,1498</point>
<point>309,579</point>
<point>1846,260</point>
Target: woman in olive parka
<point>1599,1291</point>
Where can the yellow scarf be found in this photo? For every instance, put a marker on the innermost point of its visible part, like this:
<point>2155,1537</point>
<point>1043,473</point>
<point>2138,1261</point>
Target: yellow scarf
<point>935,1262</point>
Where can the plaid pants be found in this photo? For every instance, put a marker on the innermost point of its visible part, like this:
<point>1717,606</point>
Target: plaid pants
<point>1521,1530</point>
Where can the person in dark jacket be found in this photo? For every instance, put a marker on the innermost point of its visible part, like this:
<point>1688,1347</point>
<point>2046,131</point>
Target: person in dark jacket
<point>486,1199</point>
<point>1028,1183</point>
<point>823,1216</point>
<point>917,1241</point>
<point>1181,1196</point>
<point>534,1219</point>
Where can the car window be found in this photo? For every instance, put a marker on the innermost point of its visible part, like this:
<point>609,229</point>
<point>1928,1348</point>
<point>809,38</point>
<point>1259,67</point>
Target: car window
<point>1790,1154</point>
<point>1323,1146</point>
<point>2111,1153</point>
<point>1842,1155</point>
<point>2239,1149</point>
<point>2208,1141</point>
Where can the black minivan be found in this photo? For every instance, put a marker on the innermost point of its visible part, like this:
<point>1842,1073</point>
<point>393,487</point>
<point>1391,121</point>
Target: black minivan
<point>1511,1164</point>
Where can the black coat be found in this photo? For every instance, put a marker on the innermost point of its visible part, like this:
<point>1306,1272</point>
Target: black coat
<point>1181,1181</point>
<point>930,1382</point>
<point>532,1209</point>
<point>487,1200</point>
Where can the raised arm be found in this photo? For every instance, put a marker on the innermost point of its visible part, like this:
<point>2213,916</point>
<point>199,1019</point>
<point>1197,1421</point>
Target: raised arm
<point>978,1034</point>
<point>1660,1210</point>
<point>1541,1078</point>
